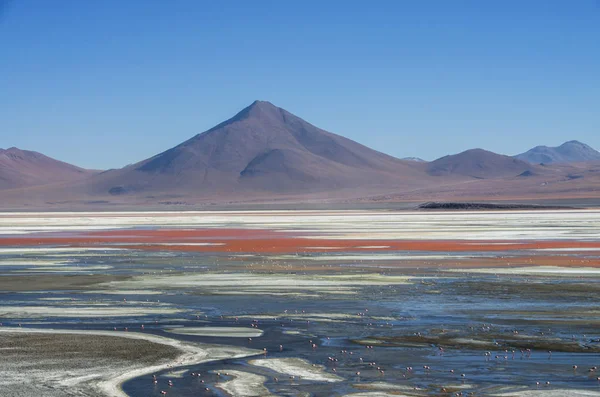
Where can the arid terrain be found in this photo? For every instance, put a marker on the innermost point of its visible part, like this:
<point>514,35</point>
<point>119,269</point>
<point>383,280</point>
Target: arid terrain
<point>299,199</point>
<point>265,155</point>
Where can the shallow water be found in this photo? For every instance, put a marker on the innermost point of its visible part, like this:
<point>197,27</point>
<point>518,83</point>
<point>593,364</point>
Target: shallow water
<point>389,299</point>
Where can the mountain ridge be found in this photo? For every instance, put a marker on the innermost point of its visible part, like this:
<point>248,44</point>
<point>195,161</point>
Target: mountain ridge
<point>569,152</point>
<point>480,164</point>
<point>24,168</point>
<point>265,153</point>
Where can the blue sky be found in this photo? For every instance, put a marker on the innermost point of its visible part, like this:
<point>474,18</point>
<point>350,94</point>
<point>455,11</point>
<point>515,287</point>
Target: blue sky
<point>105,83</point>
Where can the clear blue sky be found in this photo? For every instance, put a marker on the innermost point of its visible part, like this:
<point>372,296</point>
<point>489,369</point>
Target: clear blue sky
<point>105,83</point>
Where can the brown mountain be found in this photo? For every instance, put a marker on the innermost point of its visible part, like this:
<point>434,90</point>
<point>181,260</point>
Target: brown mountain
<point>24,168</point>
<point>265,154</point>
<point>480,164</point>
<point>262,149</point>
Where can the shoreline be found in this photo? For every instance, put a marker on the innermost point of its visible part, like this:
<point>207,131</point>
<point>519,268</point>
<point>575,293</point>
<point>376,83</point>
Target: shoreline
<point>192,353</point>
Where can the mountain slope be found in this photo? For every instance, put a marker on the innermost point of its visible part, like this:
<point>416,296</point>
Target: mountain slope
<point>24,168</point>
<point>262,148</point>
<point>568,152</point>
<point>479,164</point>
<point>265,154</point>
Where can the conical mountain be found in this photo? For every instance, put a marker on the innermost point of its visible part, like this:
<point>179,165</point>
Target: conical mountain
<point>263,148</point>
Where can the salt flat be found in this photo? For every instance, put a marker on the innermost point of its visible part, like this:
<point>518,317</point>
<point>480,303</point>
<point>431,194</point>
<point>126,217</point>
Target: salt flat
<point>469,225</point>
<point>229,332</point>
<point>98,367</point>
<point>244,384</point>
<point>297,367</point>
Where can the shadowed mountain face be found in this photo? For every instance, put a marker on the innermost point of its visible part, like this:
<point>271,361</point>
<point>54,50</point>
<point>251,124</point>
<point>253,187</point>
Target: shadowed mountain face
<point>568,152</point>
<point>261,148</point>
<point>480,164</point>
<point>24,168</point>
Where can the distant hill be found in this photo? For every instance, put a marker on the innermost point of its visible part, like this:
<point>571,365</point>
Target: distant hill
<point>417,159</point>
<point>480,164</point>
<point>24,168</point>
<point>265,155</point>
<point>263,149</point>
<point>568,152</point>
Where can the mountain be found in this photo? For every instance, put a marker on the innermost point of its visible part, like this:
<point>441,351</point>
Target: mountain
<point>568,152</point>
<point>24,168</point>
<point>265,155</point>
<point>417,159</point>
<point>479,164</point>
<point>262,149</point>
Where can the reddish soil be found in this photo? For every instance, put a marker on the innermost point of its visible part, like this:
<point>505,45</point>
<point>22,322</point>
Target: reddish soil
<point>270,242</point>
